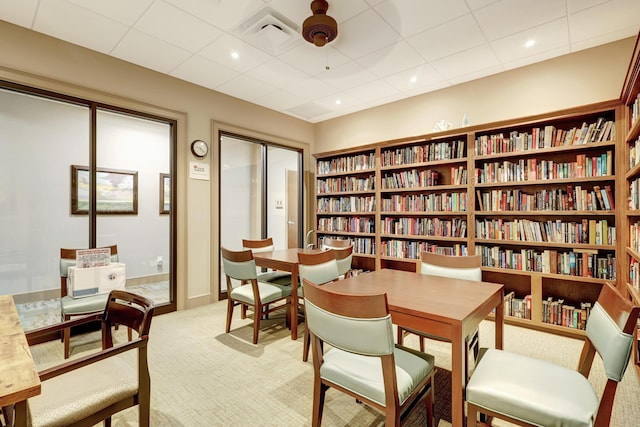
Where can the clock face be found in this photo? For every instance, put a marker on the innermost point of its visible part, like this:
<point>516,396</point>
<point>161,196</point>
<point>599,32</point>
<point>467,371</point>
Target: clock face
<point>199,148</point>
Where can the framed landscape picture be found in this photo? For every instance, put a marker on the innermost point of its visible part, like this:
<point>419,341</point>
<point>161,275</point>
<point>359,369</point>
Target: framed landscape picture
<point>116,191</point>
<point>165,193</point>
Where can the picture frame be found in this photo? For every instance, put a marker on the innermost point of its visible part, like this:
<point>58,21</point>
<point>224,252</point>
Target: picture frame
<point>116,191</point>
<point>165,193</point>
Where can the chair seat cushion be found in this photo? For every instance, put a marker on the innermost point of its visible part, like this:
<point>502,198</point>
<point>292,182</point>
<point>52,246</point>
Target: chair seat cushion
<point>269,292</point>
<point>363,374</point>
<point>72,396</point>
<point>85,305</point>
<point>532,390</point>
<point>278,277</point>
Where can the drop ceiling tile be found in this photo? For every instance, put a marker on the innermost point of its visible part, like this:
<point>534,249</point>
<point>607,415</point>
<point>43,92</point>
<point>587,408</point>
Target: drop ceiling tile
<point>224,14</point>
<point>338,102</point>
<point>507,17</point>
<point>418,78</point>
<point>460,34</point>
<point>168,23</point>
<point>280,99</point>
<point>20,13</point>
<point>71,23</point>
<point>124,11</point>
<point>530,59</point>
<point>220,51</point>
<point>548,37</point>
<point>310,88</point>
<point>308,111</point>
<point>471,62</point>
<point>409,17</point>
<point>609,19</point>
<point>204,72</point>
<point>147,51</point>
<point>476,74</point>
<point>277,73</point>
<point>391,59</point>
<point>370,92</point>
<point>340,10</point>
<point>245,87</point>
<point>574,6</point>
<point>313,60</point>
<point>364,34</point>
<point>346,75</point>
<point>479,4</point>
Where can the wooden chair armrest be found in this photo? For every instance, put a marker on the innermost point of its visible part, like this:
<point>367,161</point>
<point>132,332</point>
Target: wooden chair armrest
<point>45,330</point>
<point>91,358</point>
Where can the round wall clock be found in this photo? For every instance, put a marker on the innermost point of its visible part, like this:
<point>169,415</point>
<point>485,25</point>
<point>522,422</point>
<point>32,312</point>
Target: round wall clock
<point>199,148</point>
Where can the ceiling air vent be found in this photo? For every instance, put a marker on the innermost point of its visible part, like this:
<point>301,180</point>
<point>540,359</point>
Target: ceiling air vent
<point>268,30</point>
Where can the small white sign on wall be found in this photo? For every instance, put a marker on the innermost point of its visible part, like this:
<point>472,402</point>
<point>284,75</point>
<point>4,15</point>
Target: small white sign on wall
<point>199,170</point>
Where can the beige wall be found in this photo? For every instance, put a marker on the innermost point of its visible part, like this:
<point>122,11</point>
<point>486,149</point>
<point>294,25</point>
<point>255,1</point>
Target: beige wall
<point>584,77</point>
<point>40,61</point>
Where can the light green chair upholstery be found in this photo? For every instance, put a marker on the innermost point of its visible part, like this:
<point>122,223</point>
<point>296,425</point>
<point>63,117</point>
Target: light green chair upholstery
<point>457,267</point>
<point>533,392</point>
<point>248,291</point>
<point>69,306</point>
<point>266,245</point>
<point>320,268</point>
<point>344,256</point>
<point>363,360</point>
<point>90,389</point>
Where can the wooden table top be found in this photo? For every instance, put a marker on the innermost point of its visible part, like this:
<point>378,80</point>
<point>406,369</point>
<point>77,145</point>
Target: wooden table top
<point>18,375</point>
<point>284,255</point>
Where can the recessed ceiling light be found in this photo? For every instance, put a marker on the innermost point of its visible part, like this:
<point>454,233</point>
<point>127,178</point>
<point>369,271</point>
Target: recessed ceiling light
<point>413,79</point>
<point>235,55</point>
<point>530,43</point>
<point>338,102</point>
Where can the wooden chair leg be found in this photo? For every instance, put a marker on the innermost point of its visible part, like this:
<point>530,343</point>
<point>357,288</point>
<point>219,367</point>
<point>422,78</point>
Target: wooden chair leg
<point>66,338</point>
<point>256,322</point>
<point>243,312</point>
<point>422,344</point>
<point>230,306</point>
<point>319,391</point>
<point>306,344</point>
<point>400,338</point>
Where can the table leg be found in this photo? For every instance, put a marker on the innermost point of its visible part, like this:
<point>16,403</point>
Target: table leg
<point>499,320</point>
<point>457,380</point>
<point>294,303</point>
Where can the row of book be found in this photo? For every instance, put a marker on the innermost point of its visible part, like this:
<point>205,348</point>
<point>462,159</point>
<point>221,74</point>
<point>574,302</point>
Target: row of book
<point>634,194</point>
<point>410,179</point>
<point>635,110</point>
<point>587,231</point>
<point>535,169</point>
<point>556,312</point>
<point>445,150</point>
<point>361,245</point>
<point>412,249</point>
<point>634,236</point>
<point>578,198</point>
<point>354,204</point>
<point>576,262</point>
<point>355,163</point>
<point>347,224</point>
<point>634,273</point>
<point>342,184</point>
<point>517,307</point>
<point>598,131</point>
<point>459,175</point>
<point>449,202</point>
<point>433,227</point>
<point>634,153</point>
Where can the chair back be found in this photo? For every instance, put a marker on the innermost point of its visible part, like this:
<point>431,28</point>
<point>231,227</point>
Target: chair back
<point>258,245</point>
<point>128,309</point>
<point>333,243</point>
<point>318,267</point>
<point>355,323</point>
<point>344,257</point>
<point>610,330</point>
<point>238,265</point>
<point>457,267</point>
<point>68,259</point>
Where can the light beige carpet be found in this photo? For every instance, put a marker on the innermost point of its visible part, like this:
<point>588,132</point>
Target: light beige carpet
<point>204,377</point>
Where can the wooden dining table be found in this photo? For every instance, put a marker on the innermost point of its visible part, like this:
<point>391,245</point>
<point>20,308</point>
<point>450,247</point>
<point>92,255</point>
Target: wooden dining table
<point>440,306</point>
<point>285,260</point>
<point>19,378</point>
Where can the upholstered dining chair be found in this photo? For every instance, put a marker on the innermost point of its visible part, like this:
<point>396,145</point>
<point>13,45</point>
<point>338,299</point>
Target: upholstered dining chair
<point>319,268</point>
<point>249,291</point>
<point>334,243</point>
<point>344,257</point>
<point>361,358</point>
<point>528,391</point>
<point>69,306</point>
<point>91,388</point>
<point>457,267</point>
<point>266,245</point>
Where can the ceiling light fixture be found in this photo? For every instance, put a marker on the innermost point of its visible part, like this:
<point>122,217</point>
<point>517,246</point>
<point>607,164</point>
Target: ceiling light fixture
<point>319,28</point>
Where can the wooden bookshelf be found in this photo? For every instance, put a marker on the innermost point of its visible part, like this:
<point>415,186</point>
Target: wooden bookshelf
<point>497,190</point>
<point>630,126</point>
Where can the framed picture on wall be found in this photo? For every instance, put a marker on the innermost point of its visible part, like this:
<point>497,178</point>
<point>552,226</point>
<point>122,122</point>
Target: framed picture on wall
<point>165,193</point>
<point>116,191</point>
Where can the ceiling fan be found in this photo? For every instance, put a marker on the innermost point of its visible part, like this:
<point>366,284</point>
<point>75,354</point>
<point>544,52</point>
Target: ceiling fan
<point>319,28</point>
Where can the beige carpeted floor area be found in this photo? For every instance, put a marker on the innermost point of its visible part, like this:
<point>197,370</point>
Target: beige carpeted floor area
<point>204,377</point>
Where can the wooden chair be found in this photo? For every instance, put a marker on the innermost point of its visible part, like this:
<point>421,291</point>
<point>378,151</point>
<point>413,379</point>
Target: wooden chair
<point>90,389</point>
<point>333,243</point>
<point>459,267</point>
<point>344,257</point>
<point>266,245</point>
<point>69,306</point>
<point>320,268</point>
<point>363,360</point>
<point>250,292</point>
<point>527,391</point>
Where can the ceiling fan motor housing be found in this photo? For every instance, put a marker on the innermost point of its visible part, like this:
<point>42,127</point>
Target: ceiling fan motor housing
<point>319,28</point>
